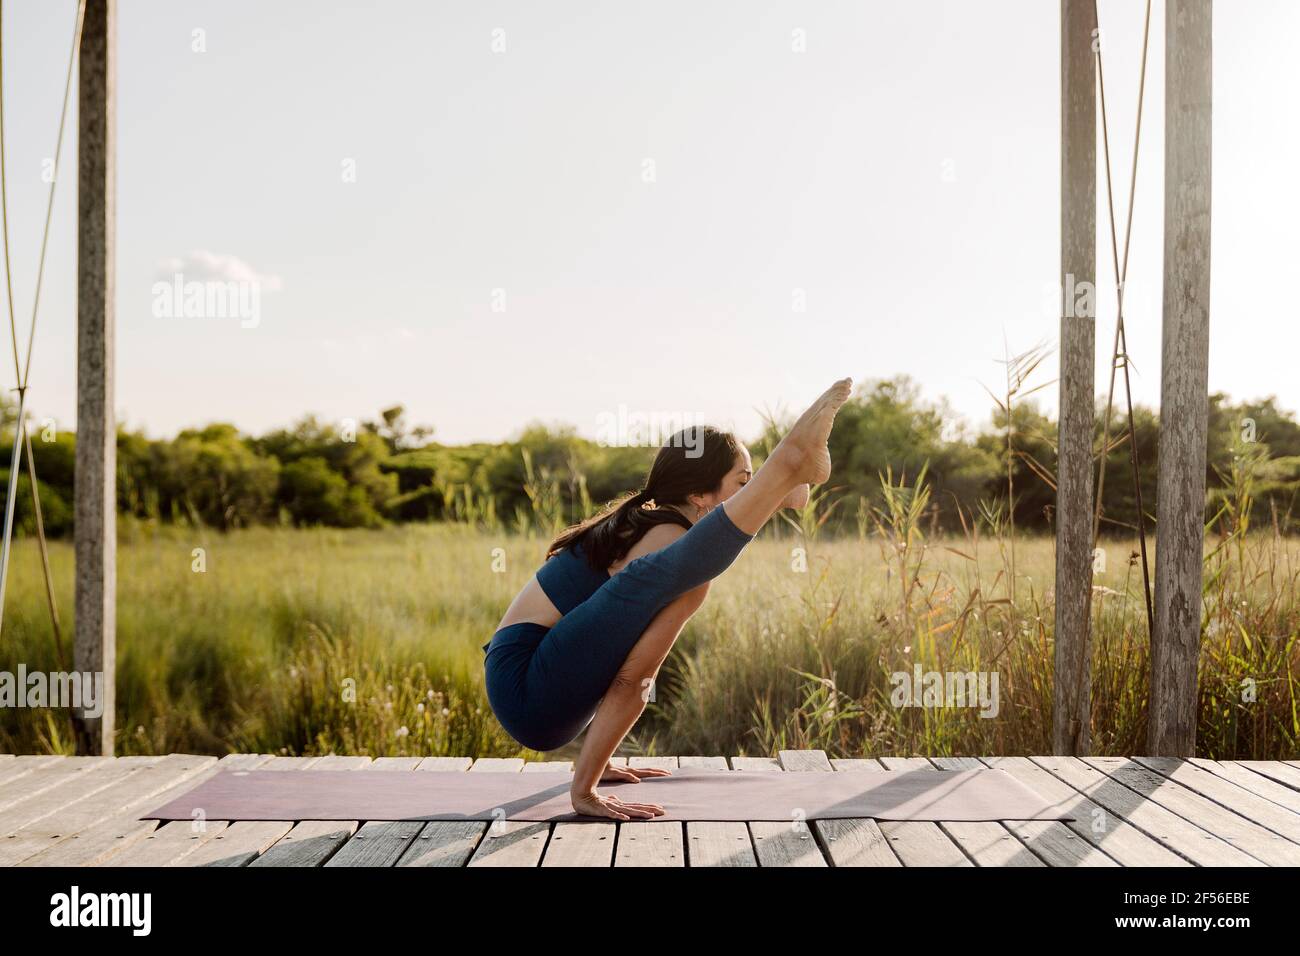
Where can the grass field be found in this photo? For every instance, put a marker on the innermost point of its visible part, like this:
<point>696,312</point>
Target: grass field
<point>311,641</point>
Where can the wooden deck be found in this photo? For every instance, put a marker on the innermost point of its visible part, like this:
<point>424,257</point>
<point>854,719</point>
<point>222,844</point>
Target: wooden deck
<point>1139,811</point>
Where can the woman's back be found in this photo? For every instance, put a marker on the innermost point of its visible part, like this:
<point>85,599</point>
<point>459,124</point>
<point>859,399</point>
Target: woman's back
<point>566,579</point>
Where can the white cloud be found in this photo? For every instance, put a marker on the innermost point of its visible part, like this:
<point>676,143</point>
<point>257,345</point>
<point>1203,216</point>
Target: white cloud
<point>200,265</point>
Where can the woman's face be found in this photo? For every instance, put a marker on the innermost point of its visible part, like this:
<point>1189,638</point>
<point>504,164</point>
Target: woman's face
<point>741,471</point>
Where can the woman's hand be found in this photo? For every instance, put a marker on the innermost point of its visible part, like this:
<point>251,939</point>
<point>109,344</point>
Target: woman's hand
<point>593,804</point>
<point>631,774</point>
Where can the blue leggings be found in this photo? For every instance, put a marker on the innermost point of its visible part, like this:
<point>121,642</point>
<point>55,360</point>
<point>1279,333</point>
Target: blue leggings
<point>545,683</point>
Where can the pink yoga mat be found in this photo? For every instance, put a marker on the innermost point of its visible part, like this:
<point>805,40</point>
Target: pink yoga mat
<point>688,794</point>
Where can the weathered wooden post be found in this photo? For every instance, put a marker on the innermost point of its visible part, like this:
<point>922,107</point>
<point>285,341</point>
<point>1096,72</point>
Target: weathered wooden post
<point>1071,693</point>
<point>1184,381</point>
<point>95,486</point>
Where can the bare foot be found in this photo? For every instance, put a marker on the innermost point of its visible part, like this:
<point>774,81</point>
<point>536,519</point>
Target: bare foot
<point>803,449</point>
<point>797,498</point>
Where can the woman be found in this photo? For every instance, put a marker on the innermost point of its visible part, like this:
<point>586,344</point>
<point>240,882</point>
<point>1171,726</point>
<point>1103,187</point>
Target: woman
<point>582,641</point>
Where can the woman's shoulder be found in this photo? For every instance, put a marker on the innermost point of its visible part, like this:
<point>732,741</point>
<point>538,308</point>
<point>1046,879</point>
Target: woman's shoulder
<point>654,538</point>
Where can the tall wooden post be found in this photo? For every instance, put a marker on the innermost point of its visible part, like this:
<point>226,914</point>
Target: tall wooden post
<point>95,512</point>
<point>1184,381</point>
<point>1071,694</point>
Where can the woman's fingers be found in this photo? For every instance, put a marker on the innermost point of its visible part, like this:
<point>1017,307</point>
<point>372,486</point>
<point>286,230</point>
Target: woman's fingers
<point>650,772</point>
<point>653,808</point>
<point>627,802</point>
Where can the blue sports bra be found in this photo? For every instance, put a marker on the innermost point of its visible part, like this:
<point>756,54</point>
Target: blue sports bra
<point>568,580</point>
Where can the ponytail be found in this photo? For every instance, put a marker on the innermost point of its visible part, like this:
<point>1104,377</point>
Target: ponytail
<point>693,461</point>
<point>608,536</point>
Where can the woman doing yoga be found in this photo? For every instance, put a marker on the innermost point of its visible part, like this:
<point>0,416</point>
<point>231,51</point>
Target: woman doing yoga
<point>582,642</point>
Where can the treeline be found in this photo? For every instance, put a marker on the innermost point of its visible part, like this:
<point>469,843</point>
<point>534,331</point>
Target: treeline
<point>318,473</point>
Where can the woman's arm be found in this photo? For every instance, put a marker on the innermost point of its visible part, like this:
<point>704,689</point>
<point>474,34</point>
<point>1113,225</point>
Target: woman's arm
<point>626,698</point>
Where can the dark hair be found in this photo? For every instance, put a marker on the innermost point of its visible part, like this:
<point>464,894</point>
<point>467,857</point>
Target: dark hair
<point>693,461</point>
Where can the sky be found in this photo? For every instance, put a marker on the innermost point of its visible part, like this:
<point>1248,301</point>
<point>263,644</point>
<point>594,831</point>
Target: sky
<point>495,213</point>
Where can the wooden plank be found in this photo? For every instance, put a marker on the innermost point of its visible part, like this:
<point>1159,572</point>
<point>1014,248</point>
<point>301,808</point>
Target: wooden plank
<point>989,843</point>
<point>712,843</point>
<point>444,843</point>
<point>37,778</point>
<point>48,800</point>
<point>919,842</point>
<point>239,844</point>
<point>1256,783</point>
<point>169,844</point>
<point>846,842</point>
<point>653,763</point>
<point>922,843</point>
<point>1161,824</point>
<point>1051,841</point>
<point>642,843</point>
<point>703,763</point>
<point>509,843</point>
<point>761,764</point>
<point>1281,771</point>
<point>804,761</point>
<point>498,765</point>
<point>99,843</point>
<point>780,843</point>
<point>377,842</point>
<point>335,762</point>
<point>576,844</point>
<point>582,844</point>
<point>395,763</point>
<point>906,763</point>
<point>718,843</point>
<point>136,791</point>
<point>1263,844</point>
<point>310,843</point>
<point>284,843</point>
<point>995,843</point>
<point>868,764</point>
<point>1184,382</point>
<point>856,845</point>
<point>650,844</point>
<point>21,765</point>
<point>593,844</point>
<point>788,843</point>
<point>444,764</point>
<point>1235,799</point>
<point>172,843</point>
<point>1108,832</point>
<point>1070,694</point>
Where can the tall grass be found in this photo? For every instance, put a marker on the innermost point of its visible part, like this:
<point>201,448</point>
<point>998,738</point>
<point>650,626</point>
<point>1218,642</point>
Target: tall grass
<point>314,641</point>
